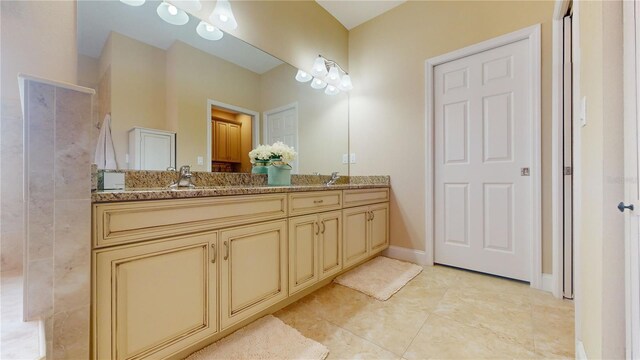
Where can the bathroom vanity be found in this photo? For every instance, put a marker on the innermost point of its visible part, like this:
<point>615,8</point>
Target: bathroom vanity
<point>173,275</point>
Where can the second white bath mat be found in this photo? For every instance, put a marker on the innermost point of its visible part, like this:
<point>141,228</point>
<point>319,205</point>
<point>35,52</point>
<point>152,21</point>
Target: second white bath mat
<point>380,278</point>
<point>265,339</point>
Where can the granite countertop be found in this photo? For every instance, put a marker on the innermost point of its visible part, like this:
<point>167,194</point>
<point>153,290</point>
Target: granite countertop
<point>102,196</point>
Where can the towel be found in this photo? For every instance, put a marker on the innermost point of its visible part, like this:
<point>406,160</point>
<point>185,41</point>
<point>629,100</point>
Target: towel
<point>105,153</point>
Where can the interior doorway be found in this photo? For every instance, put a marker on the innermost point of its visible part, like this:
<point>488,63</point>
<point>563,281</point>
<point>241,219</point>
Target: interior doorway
<point>281,124</point>
<point>483,115</point>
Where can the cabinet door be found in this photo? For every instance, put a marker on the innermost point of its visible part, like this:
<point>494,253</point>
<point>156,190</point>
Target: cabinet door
<point>157,150</point>
<point>330,243</point>
<point>253,270</point>
<point>220,139</point>
<point>154,299</point>
<point>303,252</point>
<point>379,227</point>
<point>355,223</point>
<point>233,143</point>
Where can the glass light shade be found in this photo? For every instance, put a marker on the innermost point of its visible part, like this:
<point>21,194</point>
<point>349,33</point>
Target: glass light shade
<point>133,2</point>
<point>188,5</point>
<point>319,68</point>
<point>208,31</point>
<point>334,75</point>
<point>303,76</point>
<point>318,84</point>
<point>345,83</point>
<point>222,16</point>
<point>331,90</point>
<point>172,14</point>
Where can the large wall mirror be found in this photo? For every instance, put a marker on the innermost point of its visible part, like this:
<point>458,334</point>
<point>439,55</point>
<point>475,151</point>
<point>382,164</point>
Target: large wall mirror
<point>177,98</point>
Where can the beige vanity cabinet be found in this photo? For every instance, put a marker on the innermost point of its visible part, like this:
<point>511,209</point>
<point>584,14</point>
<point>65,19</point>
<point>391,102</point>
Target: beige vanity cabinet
<point>253,270</point>
<point>315,249</point>
<point>366,231</point>
<point>153,299</point>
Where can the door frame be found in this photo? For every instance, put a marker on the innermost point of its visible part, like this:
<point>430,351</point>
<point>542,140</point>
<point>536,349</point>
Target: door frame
<point>265,128</point>
<point>557,115</point>
<point>632,263</point>
<point>531,33</point>
<point>255,125</point>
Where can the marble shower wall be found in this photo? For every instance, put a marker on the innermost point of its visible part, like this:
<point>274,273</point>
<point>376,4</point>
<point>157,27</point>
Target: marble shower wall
<point>57,183</point>
<point>11,172</point>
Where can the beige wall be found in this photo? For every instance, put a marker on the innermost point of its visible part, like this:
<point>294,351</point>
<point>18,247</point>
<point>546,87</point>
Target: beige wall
<point>323,123</point>
<point>294,31</point>
<point>138,90</point>
<point>600,290</point>
<point>38,38</point>
<point>387,56</point>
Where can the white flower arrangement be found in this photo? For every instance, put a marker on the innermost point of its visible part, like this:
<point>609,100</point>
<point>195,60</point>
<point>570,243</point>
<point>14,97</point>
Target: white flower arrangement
<point>279,151</point>
<point>282,152</point>
<point>261,153</point>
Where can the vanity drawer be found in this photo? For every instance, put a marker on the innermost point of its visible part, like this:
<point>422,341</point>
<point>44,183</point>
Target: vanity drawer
<point>126,222</point>
<point>365,196</point>
<point>313,202</point>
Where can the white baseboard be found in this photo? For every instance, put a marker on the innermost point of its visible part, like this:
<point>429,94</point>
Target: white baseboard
<point>547,282</point>
<point>415,256</point>
<point>580,353</point>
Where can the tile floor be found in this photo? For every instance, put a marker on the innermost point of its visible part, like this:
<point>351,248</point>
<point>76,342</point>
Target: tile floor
<point>18,339</point>
<point>442,313</point>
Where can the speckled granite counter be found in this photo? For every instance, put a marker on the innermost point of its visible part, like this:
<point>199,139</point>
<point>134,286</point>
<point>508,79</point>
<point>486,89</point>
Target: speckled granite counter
<point>102,196</point>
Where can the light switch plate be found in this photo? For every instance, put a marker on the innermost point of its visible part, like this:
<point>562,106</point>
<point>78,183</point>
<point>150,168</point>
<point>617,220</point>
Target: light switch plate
<point>345,158</point>
<point>200,160</point>
<point>353,158</point>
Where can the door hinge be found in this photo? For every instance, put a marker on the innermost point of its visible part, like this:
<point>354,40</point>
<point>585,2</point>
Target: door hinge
<point>524,171</point>
<point>568,170</point>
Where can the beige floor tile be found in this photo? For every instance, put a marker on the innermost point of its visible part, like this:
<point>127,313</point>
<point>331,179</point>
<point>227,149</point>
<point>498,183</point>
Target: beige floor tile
<point>554,331</point>
<point>508,316</point>
<point>468,315</point>
<point>341,343</point>
<point>441,338</point>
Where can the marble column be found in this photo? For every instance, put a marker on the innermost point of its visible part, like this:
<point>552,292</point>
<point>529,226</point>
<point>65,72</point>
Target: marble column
<point>57,212</point>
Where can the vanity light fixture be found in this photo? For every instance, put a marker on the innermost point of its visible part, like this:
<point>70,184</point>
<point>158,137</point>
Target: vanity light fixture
<point>303,76</point>
<point>319,67</point>
<point>331,90</point>
<point>222,16</point>
<point>189,5</point>
<point>208,31</point>
<point>325,72</point>
<point>133,2</point>
<point>171,14</point>
<point>318,84</point>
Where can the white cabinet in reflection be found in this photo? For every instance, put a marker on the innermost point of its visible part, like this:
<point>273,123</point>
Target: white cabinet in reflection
<point>151,149</point>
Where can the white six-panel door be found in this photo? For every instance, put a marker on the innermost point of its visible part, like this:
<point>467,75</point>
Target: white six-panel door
<point>282,125</point>
<point>483,156</point>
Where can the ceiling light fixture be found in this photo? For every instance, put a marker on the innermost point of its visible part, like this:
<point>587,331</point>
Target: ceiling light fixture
<point>222,15</point>
<point>171,14</point>
<point>325,72</point>
<point>133,2</point>
<point>208,31</point>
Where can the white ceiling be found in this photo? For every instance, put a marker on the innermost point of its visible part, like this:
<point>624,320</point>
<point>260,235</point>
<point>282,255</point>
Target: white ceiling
<point>96,19</point>
<point>352,13</point>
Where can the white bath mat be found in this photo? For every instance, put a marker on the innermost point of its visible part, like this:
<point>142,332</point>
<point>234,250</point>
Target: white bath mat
<point>267,338</point>
<point>380,278</point>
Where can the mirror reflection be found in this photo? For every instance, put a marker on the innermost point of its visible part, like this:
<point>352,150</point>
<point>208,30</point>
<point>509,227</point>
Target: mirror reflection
<point>175,98</point>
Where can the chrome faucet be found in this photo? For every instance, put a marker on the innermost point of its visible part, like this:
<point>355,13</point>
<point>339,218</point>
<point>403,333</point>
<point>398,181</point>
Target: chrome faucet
<point>334,178</point>
<point>185,178</point>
